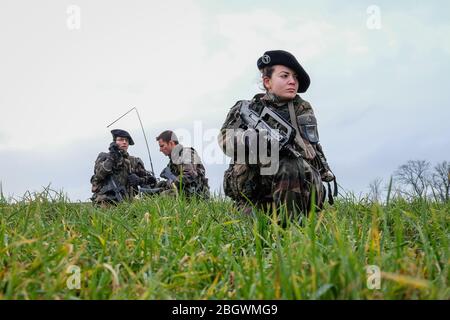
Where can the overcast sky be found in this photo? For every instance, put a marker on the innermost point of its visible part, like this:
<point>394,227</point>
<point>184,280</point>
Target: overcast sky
<point>380,76</point>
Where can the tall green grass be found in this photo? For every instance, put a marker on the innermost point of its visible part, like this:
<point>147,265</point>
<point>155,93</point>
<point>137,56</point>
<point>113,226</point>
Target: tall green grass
<point>166,248</point>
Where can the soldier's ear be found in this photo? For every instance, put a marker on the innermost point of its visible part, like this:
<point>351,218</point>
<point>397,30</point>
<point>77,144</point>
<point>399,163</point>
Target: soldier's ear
<point>267,83</point>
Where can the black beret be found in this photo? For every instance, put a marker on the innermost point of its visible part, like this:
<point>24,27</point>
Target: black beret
<point>122,133</point>
<point>284,58</point>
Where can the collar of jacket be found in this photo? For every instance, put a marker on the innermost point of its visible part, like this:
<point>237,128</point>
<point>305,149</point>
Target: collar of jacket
<point>273,100</point>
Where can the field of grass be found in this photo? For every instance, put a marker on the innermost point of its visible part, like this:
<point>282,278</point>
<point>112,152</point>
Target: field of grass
<point>164,248</point>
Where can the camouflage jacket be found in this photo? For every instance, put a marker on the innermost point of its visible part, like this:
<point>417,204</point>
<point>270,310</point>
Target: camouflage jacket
<point>190,173</point>
<point>313,154</point>
<point>106,169</point>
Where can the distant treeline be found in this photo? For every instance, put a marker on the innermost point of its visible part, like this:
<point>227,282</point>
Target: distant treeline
<point>415,179</point>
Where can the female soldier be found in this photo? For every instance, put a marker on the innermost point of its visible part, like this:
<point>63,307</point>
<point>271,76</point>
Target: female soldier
<point>302,164</point>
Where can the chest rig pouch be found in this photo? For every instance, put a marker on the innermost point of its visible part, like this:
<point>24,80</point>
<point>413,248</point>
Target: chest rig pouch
<point>308,128</point>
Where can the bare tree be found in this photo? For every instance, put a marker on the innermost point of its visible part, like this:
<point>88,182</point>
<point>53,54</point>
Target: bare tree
<point>375,190</point>
<point>415,175</point>
<point>440,181</point>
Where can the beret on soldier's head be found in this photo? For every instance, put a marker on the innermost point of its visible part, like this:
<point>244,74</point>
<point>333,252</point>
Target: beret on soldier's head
<point>284,58</point>
<point>122,133</point>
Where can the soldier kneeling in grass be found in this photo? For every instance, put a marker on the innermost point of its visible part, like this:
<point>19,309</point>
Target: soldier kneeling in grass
<point>117,175</point>
<point>297,183</point>
<point>185,171</point>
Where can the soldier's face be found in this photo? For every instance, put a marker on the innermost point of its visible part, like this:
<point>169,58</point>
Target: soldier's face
<point>283,83</point>
<point>166,147</point>
<point>122,143</point>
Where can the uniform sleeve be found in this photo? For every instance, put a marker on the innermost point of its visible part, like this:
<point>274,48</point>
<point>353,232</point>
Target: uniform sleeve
<point>103,167</point>
<point>230,134</point>
<point>321,156</point>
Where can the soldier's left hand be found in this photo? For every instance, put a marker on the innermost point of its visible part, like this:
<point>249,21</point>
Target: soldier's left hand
<point>134,180</point>
<point>152,180</point>
<point>328,176</point>
<point>114,151</point>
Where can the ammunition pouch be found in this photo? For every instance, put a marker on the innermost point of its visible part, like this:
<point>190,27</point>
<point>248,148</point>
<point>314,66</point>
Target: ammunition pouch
<point>308,128</point>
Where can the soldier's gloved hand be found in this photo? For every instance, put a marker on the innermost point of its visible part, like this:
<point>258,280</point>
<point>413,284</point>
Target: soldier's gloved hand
<point>134,180</point>
<point>152,180</point>
<point>114,151</point>
<point>327,176</point>
<point>285,151</point>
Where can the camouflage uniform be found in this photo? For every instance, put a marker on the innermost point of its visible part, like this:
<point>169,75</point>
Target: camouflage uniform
<point>106,168</point>
<point>190,173</point>
<point>295,179</point>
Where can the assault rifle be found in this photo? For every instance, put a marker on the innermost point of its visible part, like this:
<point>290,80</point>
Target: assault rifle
<point>166,174</point>
<point>284,134</point>
<point>113,190</point>
<point>149,191</point>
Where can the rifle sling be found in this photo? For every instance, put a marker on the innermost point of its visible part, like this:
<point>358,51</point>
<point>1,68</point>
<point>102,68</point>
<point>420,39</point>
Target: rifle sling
<point>330,194</point>
<point>298,138</point>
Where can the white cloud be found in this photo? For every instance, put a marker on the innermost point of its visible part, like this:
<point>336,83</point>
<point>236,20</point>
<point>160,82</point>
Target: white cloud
<point>59,81</point>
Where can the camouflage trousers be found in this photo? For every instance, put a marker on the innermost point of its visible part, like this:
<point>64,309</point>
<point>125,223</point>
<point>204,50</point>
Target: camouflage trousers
<point>294,186</point>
